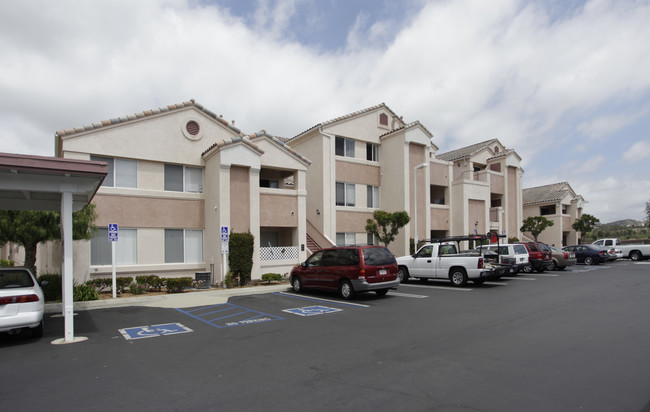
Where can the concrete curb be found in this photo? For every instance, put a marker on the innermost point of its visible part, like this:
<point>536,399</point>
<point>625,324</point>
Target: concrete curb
<point>172,300</point>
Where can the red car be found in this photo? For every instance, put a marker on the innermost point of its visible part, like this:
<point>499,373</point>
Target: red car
<point>349,270</point>
<point>539,256</point>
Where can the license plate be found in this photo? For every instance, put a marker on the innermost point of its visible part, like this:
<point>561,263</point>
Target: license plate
<point>382,271</point>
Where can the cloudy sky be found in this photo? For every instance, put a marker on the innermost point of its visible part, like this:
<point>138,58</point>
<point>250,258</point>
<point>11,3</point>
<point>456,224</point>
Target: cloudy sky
<point>565,83</point>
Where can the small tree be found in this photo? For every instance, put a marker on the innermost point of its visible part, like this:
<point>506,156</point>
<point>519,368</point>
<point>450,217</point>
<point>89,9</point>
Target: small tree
<point>536,225</point>
<point>585,224</point>
<point>647,213</point>
<point>240,256</point>
<point>386,226</point>
<point>30,227</point>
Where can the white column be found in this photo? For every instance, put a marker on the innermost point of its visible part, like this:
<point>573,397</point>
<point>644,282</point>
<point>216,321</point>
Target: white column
<point>67,267</point>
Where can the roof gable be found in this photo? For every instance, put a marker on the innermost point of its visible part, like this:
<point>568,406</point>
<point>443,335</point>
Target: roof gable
<point>548,193</point>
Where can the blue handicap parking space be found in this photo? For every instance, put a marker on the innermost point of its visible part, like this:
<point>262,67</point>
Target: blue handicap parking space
<point>312,310</point>
<point>152,331</point>
<point>226,315</point>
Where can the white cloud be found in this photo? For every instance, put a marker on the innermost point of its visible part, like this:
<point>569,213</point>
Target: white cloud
<point>639,151</point>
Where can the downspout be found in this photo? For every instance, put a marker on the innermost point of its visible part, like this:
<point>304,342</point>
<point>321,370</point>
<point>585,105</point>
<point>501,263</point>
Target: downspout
<point>332,180</point>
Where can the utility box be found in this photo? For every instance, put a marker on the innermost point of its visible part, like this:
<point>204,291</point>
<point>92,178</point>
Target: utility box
<point>203,276</point>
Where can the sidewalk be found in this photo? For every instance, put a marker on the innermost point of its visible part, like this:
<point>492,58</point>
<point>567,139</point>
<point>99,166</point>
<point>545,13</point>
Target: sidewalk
<point>172,300</point>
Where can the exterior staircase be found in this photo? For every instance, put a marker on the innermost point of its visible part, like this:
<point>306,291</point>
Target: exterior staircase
<point>312,245</point>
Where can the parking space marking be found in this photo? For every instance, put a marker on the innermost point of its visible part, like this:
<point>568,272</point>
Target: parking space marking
<point>226,315</point>
<point>424,285</point>
<point>292,295</point>
<point>547,275</point>
<point>312,310</point>
<point>153,331</point>
<point>518,278</point>
<point>407,295</point>
<point>496,283</point>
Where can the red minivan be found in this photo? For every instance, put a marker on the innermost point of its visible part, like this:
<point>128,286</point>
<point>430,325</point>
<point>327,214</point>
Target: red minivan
<point>349,269</point>
<point>539,256</point>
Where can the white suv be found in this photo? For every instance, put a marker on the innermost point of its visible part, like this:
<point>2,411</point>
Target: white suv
<point>511,254</point>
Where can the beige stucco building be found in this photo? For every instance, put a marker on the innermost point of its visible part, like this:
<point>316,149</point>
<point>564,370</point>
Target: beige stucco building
<point>371,159</point>
<point>177,176</point>
<point>559,203</point>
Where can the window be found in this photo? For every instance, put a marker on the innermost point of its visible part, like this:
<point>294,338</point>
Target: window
<point>373,197</point>
<point>126,248</point>
<point>344,147</point>
<point>121,172</point>
<point>345,239</point>
<point>372,152</point>
<point>183,246</point>
<point>371,238</point>
<point>345,194</point>
<point>183,179</point>
<point>383,119</point>
<point>547,210</point>
<point>269,183</point>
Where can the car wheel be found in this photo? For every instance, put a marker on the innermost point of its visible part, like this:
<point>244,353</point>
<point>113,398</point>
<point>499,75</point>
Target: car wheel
<point>37,332</point>
<point>346,290</point>
<point>296,284</point>
<point>636,256</point>
<point>403,274</point>
<point>458,277</point>
<point>553,265</point>
<point>528,268</point>
<point>381,292</point>
<point>589,260</point>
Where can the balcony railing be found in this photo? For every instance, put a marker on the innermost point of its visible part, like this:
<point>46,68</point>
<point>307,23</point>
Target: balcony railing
<point>279,253</point>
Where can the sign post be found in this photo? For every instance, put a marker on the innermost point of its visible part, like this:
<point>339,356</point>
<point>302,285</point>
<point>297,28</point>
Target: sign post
<point>224,249</point>
<point>112,237</point>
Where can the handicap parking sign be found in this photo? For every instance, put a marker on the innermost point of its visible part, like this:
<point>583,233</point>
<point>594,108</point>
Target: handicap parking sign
<point>112,232</point>
<point>152,331</point>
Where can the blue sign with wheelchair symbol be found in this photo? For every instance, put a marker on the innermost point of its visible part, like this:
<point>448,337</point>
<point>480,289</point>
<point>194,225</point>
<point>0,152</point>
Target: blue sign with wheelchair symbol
<point>312,310</point>
<point>153,331</point>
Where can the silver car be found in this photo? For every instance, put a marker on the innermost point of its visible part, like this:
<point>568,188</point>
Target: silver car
<point>22,302</point>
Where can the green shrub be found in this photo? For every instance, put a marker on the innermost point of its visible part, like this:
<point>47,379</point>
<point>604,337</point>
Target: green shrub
<point>240,257</point>
<point>6,263</point>
<point>176,285</point>
<point>137,288</point>
<point>52,290</point>
<point>271,277</point>
<point>150,282</point>
<point>230,281</point>
<point>101,283</point>
<point>513,239</point>
<point>122,283</point>
<point>84,292</point>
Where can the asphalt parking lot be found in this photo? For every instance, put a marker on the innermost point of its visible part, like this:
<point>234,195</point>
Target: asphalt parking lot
<point>563,341</point>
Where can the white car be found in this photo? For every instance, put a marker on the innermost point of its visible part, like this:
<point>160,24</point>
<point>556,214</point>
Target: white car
<point>22,302</point>
<point>513,254</point>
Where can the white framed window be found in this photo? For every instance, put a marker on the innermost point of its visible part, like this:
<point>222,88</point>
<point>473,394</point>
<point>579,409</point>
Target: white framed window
<point>344,147</point>
<point>345,239</point>
<point>372,152</point>
<point>121,172</point>
<point>371,240</point>
<point>126,248</point>
<point>183,178</point>
<point>345,194</point>
<point>373,197</point>
<point>183,246</point>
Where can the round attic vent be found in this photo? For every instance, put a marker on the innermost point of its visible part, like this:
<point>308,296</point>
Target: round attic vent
<point>192,128</point>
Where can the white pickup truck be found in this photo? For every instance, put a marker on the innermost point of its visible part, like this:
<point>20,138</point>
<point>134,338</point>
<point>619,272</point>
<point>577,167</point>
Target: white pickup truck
<point>634,252</point>
<point>442,261</point>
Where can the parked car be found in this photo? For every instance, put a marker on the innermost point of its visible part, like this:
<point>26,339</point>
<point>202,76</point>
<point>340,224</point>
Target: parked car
<point>588,254</point>
<point>350,270</point>
<point>611,243</point>
<point>633,251</point>
<point>22,302</point>
<point>513,254</point>
<point>561,259</point>
<point>539,256</point>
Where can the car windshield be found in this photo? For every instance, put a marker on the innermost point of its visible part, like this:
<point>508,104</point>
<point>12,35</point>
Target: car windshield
<point>15,279</point>
<point>377,256</point>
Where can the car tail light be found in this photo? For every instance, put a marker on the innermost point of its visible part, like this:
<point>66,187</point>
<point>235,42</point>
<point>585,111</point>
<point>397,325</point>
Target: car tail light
<point>602,253</point>
<point>19,299</point>
<point>566,255</point>
<point>362,274</point>
<point>480,263</point>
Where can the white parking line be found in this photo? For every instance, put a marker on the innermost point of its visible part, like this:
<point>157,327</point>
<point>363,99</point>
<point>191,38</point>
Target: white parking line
<point>293,295</point>
<point>406,295</point>
<point>518,278</point>
<point>496,283</point>
<point>550,275</point>
<point>424,285</point>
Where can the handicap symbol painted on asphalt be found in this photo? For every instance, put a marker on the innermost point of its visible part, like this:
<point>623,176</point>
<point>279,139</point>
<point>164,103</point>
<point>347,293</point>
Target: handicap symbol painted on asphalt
<point>312,310</point>
<point>152,331</point>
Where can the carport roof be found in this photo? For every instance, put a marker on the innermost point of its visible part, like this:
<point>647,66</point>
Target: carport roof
<point>36,182</point>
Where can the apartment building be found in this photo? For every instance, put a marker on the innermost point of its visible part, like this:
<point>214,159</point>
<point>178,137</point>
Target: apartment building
<point>559,203</point>
<point>486,189</point>
<point>371,159</point>
<point>178,175</point>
